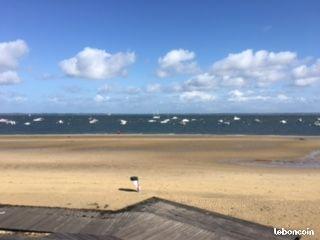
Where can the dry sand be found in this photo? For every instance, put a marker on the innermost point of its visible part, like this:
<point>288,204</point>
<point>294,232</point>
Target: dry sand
<point>88,171</point>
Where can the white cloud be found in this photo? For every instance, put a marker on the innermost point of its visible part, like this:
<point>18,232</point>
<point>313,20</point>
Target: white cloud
<point>196,96</point>
<point>10,54</point>
<point>239,96</point>
<point>154,88</point>
<point>283,97</point>
<point>261,67</point>
<point>232,81</point>
<point>177,61</point>
<point>307,75</point>
<point>19,99</point>
<point>9,77</point>
<point>100,98</point>
<point>12,97</point>
<point>97,64</point>
<point>204,81</point>
<point>255,69</point>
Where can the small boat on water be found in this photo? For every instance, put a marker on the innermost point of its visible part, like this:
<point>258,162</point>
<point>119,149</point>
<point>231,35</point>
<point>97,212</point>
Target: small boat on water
<point>93,121</point>
<point>317,123</point>
<point>40,119</point>
<point>165,121</point>
<point>7,121</point>
<point>184,121</point>
<point>123,122</point>
<point>235,118</point>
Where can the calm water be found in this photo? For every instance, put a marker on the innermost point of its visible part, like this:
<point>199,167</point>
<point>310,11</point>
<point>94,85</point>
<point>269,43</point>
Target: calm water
<point>273,124</point>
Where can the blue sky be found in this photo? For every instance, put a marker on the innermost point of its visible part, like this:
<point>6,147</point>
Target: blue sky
<point>159,56</point>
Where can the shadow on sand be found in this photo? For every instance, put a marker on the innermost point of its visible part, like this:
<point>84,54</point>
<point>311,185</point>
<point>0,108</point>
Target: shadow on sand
<point>127,190</point>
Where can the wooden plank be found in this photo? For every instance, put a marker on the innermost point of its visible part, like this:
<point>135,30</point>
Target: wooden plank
<point>155,219</point>
<point>211,221</point>
<point>68,236</point>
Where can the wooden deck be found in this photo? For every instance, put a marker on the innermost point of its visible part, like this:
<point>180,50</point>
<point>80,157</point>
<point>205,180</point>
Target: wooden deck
<point>152,219</point>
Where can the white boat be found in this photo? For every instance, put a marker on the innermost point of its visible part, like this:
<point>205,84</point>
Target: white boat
<point>174,118</point>
<point>60,122</point>
<point>283,121</point>
<point>184,121</point>
<point>300,120</point>
<point>220,120</point>
<point>151,121</point>
<point>27,123</point>
<point>165,121</point>
<point>317,123</point>
<point>235,118</point>
<point>38,119</point>
<point>3,120</point>
<point>257,120</point>
<point>123,122</point>
<point>93,121</point>
<point>226,123</point>
<point>156,117</point>
<point>7,121</point>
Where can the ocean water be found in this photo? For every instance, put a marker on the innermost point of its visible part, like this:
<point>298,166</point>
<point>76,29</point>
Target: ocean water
<point>248,124</point>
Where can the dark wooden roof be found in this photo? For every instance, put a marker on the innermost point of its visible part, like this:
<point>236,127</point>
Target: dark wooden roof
<point>151,219</point>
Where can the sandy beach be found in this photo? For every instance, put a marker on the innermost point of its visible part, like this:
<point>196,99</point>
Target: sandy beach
<point>221,174</point>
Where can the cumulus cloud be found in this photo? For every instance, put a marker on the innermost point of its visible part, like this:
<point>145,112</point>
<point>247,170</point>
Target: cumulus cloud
<point>283,97</point>
<point>9,77</point>
<point>97,64</point>
<point>239,96</point>
<point>307,75</point>
<point>12,97</point>
<point>154,88</point>
<point>244,96</point>
<point>254,69</point>
<point>10,54</point>
<point>203,81</point>
<point>196,96</point>
<point>100,98</point>
<point>252,73</point>
<point>177,61</point>
<point>261,67</point>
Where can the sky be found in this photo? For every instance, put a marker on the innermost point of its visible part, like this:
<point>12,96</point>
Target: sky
<point>170,56</point>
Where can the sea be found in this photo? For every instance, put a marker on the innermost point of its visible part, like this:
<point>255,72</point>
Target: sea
<point>217,124</point>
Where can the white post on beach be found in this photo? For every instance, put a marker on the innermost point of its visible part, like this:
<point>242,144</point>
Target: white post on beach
<point>135,181</point>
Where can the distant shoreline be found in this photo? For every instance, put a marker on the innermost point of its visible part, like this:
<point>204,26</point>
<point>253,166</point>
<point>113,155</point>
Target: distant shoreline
<point>155,135</point>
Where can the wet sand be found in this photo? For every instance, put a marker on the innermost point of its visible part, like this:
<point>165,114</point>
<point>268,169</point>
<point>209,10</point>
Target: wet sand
<point>204,171</point>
